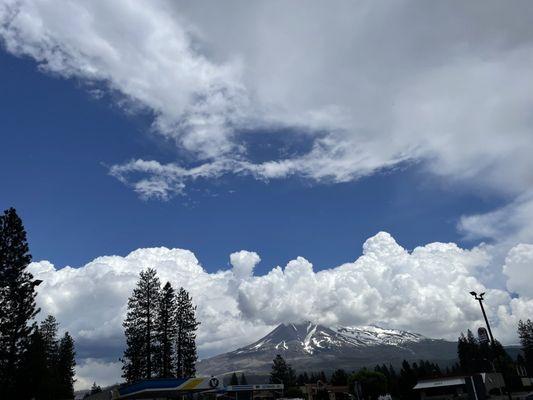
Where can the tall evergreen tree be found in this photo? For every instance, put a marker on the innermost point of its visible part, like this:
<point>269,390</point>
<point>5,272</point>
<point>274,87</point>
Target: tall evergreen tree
<point>282,372</point>
<point>95,388</point>
<point>48,330</point>
<point>525,333</point>
<point>339,378</point>
<point>47,371</point>
<point>373,384</point>
<point>34,371</point>
<point>140,328</point>
<point>302,379</point>
<point>407,381</point>
<point>186,326</point>
<point>166,331</point>
<point>279,371</point>
<point>393,381</point>
<point>65,367</point>
<point>477,357</point>
<point>291,378</point>
<point>133,361</point>
<point>243,380</point>
<point>17,300</point>
<point>234,380</point>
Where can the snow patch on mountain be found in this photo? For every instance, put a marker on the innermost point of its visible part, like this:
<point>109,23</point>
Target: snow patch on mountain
<point>372,335</point>
<point>311,330</point>
<point>282,345</point>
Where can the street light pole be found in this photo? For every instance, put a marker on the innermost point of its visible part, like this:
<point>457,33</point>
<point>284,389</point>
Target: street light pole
<point>480,299</point>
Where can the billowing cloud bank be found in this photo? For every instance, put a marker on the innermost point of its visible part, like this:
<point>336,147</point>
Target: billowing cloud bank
<point>425,290</point>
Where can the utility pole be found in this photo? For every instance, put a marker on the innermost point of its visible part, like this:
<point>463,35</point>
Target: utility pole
<point>480,299</point>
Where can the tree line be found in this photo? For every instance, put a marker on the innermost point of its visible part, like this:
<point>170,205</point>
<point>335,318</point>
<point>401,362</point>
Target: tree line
<point>235,380</point>
<point>369,382</point>
<point>160,329</point>
<point>474,356</point>
<point>34,363</point>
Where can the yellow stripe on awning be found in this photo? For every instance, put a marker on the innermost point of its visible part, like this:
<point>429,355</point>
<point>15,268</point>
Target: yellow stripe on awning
<point>191,383</point>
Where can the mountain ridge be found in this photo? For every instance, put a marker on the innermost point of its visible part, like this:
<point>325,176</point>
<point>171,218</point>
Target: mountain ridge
<point>309,346</point>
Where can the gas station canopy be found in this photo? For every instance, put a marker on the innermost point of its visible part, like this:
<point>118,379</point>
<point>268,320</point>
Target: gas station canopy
<point>167,388</point>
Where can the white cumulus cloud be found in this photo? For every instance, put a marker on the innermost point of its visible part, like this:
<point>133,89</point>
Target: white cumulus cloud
<point>518,268</point>
<point>243,263</point>
<point>424,290</point>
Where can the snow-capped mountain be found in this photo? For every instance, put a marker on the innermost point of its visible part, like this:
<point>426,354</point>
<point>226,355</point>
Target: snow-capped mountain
<point>310,346</point>
<point>311,338</point>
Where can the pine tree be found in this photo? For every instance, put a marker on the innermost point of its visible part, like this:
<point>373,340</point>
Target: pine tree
<point>468,352</point>
<point>302,379</point>
<point>48,330</point>
<point>291,378</point>
<point>234,380</point>
<point>95,388</point>
<point>475,357</point>
<point>339,378</point>
<point>372,383</point>
<point>166,331</point>
<point>407,380</point>
<point>17,300</point>
<point>186,326</point>
<point>393,381</point>
<point>525,333</point>
<point>133,361</point>
<point>48,366</point>
<point>140,328</point>
<point>243,380</point>
<point>282,372</point>
<point>65,368</point>
<point>34,371</point>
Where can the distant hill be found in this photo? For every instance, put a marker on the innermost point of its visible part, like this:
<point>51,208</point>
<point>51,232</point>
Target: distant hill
<point>313,347</point>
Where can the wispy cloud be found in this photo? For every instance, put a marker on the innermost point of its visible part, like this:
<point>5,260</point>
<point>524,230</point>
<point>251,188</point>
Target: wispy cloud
<point>445,86</point>
<point>419,88</point>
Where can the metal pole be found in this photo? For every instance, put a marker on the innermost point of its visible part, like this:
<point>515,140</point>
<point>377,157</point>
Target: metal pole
<point>480,299</point>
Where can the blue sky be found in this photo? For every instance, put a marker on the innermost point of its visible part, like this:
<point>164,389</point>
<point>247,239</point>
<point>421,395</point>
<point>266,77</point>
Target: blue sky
<point>60,139</point>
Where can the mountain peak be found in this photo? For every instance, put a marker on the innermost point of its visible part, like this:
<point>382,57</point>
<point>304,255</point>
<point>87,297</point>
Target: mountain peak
<point>309,338</point>
<point>311,346</point>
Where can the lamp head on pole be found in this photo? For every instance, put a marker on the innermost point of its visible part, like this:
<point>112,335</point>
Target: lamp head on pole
<point>477,296</point>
